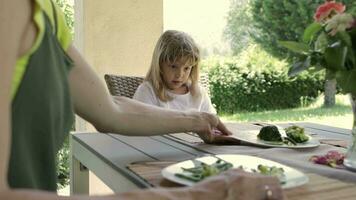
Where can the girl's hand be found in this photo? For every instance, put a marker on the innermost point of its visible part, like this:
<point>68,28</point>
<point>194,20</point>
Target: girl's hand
<point>237,184</point>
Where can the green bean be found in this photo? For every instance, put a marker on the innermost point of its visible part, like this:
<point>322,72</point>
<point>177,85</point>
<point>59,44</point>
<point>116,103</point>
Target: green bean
<point>191,178</point>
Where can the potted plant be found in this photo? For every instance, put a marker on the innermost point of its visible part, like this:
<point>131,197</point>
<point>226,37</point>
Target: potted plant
<point>329,43</point>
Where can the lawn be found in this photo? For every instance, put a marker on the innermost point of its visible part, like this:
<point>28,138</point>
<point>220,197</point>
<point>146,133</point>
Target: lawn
<point>339,116</point>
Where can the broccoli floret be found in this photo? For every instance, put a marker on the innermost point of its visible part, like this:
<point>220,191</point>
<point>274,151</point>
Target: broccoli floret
<point>270,133</point>
<point>297,134</point>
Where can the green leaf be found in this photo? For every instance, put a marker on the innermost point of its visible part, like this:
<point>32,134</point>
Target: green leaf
<point>321,42</point>
<point>329,74</point>
<point>345,38</point>
<point>347,81</point>
<point>352,34</point>
<point>299,67</point>
<point>335,56</point>
<point>310,32</point>
<point>296,47</point>
<point>350,62</point>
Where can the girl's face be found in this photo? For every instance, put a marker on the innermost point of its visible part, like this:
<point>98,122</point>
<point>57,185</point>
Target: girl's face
<point>175,75</point>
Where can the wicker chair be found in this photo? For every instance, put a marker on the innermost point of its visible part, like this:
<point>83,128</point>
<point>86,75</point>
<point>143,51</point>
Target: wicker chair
<point>122,85</point>
<point>126,85</point>
<point>204,82</point>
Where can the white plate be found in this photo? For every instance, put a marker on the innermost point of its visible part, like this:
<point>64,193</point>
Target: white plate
<point>251,137</point>
<point>294,177</point>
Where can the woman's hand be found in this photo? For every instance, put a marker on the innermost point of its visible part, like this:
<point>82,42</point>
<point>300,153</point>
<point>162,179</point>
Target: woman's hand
<point>237,184</point>
<point>213,131</point>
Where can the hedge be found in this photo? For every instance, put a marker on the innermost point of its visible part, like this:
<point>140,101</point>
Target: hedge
<point>235,88</point>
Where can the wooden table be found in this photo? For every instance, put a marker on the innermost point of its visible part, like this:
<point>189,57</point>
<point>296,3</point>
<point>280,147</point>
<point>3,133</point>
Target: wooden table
<point>109,155</point>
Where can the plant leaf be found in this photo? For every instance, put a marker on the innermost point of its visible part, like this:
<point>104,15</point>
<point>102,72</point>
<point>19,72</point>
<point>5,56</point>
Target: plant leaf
<point>345,38</point>
<point>350,62</point>
<point>335,56</point>
<point>347,81</point>
<point>321,42</point>
<point>299,67</point>
<point>310,31</point>
<point>296,47</point>
<point>329,74</point>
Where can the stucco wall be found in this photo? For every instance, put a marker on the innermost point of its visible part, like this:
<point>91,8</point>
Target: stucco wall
<point>118,36</point>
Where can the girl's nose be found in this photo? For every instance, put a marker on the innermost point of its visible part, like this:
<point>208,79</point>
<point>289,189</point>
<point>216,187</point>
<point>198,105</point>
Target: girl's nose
<point>179,73</point>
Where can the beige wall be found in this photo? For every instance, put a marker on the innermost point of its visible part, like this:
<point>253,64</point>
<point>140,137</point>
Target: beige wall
<point>118,36</point>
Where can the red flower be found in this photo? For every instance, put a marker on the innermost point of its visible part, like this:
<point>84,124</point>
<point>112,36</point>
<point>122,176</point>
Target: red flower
<point>328,9</point>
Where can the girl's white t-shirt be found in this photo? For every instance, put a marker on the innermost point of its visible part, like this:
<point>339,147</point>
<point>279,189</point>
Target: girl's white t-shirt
<point>146,94</point>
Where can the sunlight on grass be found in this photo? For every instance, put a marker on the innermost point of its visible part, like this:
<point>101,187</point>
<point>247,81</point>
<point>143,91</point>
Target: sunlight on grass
<point>339,116</point>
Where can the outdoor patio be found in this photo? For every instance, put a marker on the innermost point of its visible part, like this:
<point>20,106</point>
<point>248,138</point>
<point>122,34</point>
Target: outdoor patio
<point>118,38</point>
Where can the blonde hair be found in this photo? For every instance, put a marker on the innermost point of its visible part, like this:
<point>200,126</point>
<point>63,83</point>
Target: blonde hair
<point>172,46</point>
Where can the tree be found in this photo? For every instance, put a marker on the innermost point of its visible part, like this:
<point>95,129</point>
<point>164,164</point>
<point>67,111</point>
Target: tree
<point>281,20</point>
<point>238,29</point>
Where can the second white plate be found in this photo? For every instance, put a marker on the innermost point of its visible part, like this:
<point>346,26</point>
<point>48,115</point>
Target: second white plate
<point>294,177</point>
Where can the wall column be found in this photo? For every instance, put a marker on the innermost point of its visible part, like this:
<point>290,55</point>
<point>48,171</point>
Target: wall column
<point>116,37</point>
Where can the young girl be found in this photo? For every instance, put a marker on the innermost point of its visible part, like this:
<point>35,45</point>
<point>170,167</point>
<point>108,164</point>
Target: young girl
<point>172,81</point>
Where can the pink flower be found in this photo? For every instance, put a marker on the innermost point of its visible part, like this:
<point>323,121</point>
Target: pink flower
<point>335,156</point>
<point>332,158</point>
<point>327,10</point>
<point>319,160</point>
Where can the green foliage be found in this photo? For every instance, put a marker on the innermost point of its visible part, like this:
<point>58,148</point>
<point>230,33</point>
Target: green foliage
<point>63,165</point>
<point>325,47</point>
<point>271,20</point>
<point>281,20</point>
<point>258,83</point>
<point>297,47</point>
<point>239,27</point>
<point>267,21</point>
<point>253,57</point>
<point>63,154</point>
<point>68,11</point>
<point>310,31</point>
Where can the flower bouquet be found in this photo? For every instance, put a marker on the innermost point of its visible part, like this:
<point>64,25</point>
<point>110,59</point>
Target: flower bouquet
<point>330,43</point>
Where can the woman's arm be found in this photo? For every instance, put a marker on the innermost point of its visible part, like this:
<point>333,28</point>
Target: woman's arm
<point>126,116</point>
<point>12,44</point>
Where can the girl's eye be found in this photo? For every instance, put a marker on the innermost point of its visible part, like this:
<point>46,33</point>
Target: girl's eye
<point>187,68</point>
